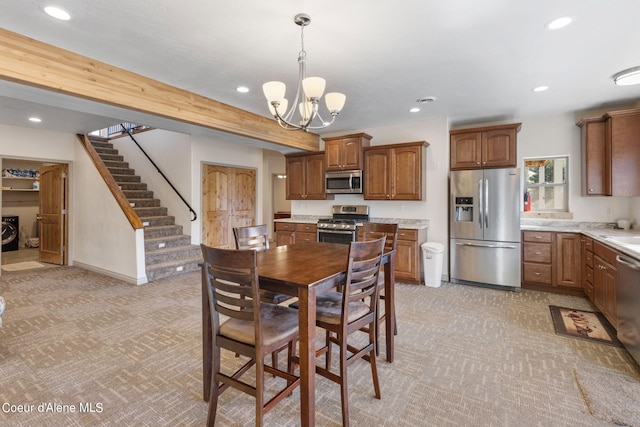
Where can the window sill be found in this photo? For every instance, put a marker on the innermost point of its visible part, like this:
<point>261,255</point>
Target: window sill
<point>547,215</point>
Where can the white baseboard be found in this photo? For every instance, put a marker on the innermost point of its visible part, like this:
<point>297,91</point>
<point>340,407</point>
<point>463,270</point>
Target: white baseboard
<point>124,278</point>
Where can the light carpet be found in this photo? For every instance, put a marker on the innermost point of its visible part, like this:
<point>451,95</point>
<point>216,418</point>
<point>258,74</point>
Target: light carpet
<point>19,266</point>
<point>610,395</point>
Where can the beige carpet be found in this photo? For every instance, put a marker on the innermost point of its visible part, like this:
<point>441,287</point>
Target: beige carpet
<point>465,356</point>
<point>19,266</point>
<point>610,396</point>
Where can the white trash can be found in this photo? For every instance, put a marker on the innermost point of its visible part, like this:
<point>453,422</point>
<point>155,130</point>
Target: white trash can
<point>432,257</point>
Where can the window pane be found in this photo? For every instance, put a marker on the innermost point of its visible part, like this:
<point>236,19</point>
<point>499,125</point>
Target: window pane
<point>547,198</point>
<point>549,171</point>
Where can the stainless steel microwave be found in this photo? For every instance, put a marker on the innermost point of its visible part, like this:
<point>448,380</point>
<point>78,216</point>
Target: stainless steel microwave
<point>343,182</point>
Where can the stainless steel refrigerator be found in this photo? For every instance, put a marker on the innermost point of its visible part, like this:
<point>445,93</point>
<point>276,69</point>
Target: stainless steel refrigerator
<point>484,227</point>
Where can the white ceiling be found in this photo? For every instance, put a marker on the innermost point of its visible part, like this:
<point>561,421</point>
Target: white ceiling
<point>480,59</point>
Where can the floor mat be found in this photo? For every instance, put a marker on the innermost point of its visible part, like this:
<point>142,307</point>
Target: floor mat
<point>610,395</point>
<point>27,265</point>
<point>585,325</point>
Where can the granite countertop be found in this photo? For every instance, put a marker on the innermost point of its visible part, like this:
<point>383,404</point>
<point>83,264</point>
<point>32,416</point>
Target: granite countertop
<point>416,224</point>
<point>602,232</point>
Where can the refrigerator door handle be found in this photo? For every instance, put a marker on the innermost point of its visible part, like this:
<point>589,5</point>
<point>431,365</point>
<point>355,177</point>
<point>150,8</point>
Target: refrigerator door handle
<point>481,204</point>
<point>486,203</point>
<point>476,245</point>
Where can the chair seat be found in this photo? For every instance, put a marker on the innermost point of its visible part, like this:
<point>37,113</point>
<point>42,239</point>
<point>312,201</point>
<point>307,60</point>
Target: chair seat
<point>329,308</point>
<point>278,322</point>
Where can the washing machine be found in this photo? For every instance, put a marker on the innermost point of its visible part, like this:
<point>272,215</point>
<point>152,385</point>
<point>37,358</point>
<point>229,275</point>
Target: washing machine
<point>10,233</point>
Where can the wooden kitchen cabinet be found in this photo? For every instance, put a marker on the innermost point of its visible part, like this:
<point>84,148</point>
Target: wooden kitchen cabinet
<point>395,172</point>
<point>552,261</point>
<point>587,266</point>
<point>305,177</point>
<point>345,152</point>
<point>409,268</point>
<point>484,147</point>
<point>611,154</point>
<point>604,281</point>
<point>288,233</point>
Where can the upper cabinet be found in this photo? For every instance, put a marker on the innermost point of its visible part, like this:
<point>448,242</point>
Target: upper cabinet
<point>611,154</point>
<point>394,172</point>
<point>485,147</point>
<point>345,152</point>
<point>305,177</point>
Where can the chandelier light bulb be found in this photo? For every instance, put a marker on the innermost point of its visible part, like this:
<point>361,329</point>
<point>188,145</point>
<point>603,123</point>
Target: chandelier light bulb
<point>274,91</point>
<point>314,87</point>
<point>335,101</point>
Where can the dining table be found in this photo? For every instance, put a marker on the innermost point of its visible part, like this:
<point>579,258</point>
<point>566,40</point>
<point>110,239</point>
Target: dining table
<point>303,270</point>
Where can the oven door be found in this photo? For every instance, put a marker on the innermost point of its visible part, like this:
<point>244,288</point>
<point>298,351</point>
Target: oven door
<point>336,236</point>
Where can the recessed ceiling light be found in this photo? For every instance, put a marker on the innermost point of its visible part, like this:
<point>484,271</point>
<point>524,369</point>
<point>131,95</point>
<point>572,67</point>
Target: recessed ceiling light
<point>627,77</point>
<point>242,89</point>
<point>35,119</point>
<point>414,110</point>
<point>540,88</point>
<point>558,23</point>
<point>57,13</point>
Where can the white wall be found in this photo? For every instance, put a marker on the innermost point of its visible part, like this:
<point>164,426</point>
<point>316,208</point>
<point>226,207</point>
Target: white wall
<point>171,151</point>
<point>206,150</point>
<point>558,135</point>
<point>274,163</point>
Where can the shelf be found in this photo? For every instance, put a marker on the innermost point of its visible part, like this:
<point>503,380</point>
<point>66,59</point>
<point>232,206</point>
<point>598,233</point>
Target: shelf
<point>20,189</point>
<point>20,178</point>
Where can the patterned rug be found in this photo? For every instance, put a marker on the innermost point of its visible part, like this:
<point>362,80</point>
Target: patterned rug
<point>585,325</point>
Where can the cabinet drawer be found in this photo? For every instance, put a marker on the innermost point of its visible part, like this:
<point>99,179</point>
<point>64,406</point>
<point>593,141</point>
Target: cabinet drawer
<point>537,236</point>
<point>407,234</point>
<point>588,275</point>
<point>588,290</point>
<point>588,244</point>
<point>306,237</point>
<point>285,226</point>
<point>306,228</point>
<point>588,259</point>
<point>537,252</point>
<point>537,273</point>
<point>605,253</point>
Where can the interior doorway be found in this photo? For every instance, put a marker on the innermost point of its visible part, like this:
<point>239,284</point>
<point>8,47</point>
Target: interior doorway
<point>21,204</point>
<point>228,200</point>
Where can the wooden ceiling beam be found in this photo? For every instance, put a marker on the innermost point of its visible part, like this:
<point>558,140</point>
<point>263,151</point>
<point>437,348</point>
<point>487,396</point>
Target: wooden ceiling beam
<point>33,63</point>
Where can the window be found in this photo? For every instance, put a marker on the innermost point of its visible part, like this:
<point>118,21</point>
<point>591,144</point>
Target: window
<point>545,180</point>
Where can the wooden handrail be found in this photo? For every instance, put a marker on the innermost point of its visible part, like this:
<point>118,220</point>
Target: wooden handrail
<point>113,186</point>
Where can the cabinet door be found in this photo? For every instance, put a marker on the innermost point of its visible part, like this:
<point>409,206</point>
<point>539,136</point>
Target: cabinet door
<point>295,178</point>
<point>609,288</point>
<point>499,148</point>
<point>333,155</point>
<point>314,177</point>
<point>598,282</point>
<point>285,238</point>
<point>567,260</point>
<point>352,153</point>
<point>406,260</point>
<point>466,150</point>
<point>376,173</point>
<point>406,173</point>
<point>596,155</point>
<point>623,131</point>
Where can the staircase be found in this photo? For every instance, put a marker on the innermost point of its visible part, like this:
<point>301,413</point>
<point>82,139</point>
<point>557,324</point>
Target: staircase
<point>168,252</point>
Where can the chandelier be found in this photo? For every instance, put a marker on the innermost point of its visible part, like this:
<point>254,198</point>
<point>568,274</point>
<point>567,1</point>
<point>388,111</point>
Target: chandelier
<point>308,94</point>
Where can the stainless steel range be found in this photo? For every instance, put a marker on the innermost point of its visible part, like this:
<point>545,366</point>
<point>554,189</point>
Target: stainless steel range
<point>341,227</point>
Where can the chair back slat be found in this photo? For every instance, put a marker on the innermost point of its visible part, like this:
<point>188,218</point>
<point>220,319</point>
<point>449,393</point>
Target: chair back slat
<point>376,230</point>
<point>254,237</point>
<point>363,270</point>
<point>232,283</point>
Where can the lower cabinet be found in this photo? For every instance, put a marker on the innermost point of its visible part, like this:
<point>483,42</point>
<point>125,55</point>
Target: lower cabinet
<point>288,233</point>
<point>604,281</point>
<point>551,261</point>
<point>409,268</point>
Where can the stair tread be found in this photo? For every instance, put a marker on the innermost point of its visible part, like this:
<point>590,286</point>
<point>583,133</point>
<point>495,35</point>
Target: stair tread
<point>174,262</point>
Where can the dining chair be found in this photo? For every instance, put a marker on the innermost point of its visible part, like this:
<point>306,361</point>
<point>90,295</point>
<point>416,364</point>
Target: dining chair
<point>346,312</point>
<point>372,231</point>
<point>253,329</point>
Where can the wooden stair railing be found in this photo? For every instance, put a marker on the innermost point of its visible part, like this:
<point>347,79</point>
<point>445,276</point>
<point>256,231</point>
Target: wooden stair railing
<point>113,186</point>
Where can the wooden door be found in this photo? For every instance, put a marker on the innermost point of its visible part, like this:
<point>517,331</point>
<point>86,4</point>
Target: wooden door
<point>333,154</point>
<point>406,173</point>
<point>314,177</point>
<point>53,214</point>
<point>296,178</point>
<point>596,158</point>
<point>228,200</point>
<point>568,257</point>
<point>499,148</point>
<point>466,150</point>
<point>376,174</point>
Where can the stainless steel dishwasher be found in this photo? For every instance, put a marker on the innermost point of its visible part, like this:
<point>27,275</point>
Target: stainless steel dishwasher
<point>628,304</point>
